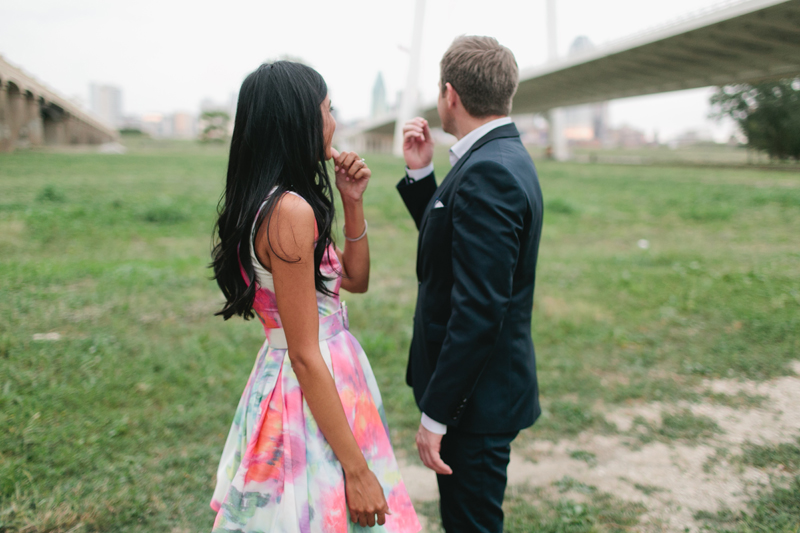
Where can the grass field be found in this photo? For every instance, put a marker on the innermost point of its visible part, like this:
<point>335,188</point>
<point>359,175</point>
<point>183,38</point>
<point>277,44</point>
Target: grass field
<point>117,385</point>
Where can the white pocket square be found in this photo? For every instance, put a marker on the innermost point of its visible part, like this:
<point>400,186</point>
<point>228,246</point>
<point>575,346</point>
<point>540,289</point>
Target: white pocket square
<point>437,204</point>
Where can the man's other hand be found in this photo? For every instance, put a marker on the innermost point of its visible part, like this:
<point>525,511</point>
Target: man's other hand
<point>417,143</point>
<point>429,445</point>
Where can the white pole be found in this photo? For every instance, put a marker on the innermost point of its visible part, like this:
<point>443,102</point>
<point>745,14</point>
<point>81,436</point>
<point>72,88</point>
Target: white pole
<point>408,105</point>
<point>558,142</point>
<point>552,43</point>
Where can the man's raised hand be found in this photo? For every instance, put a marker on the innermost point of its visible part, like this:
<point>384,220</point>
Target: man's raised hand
<point>417,143</point>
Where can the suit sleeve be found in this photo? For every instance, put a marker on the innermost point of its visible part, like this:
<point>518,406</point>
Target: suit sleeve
<point>488,217</point>
<point>417,194</point>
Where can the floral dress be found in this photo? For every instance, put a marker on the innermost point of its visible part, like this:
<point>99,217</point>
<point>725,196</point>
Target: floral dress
<point>277,472</point>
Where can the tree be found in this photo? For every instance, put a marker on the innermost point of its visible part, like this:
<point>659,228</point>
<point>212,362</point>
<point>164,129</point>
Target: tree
<point>214,125</point>
<point>768,113</point>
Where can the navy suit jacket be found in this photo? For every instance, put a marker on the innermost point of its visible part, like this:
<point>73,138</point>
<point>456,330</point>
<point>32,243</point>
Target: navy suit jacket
<point>472,361</point>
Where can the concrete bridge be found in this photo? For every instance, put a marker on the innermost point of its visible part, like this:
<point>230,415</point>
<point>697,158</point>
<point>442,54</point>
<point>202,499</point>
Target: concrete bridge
<point>734,42</point>
<point>33,115</point>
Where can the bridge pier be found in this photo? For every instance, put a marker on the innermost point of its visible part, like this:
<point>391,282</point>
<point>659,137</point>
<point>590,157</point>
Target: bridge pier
<point>15,113</point>
<point>559,150</point>
<point>5,131</point>
<point>34,120</point>
<point>73,131</point>
<point>33,115</point>
<point>53,121</point>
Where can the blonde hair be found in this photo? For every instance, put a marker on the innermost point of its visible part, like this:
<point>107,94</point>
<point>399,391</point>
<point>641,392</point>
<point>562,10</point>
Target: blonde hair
<point>483,72</point>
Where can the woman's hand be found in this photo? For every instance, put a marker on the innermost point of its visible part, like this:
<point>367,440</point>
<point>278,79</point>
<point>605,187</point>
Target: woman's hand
<point>352,175</point>
<point>365,498</point>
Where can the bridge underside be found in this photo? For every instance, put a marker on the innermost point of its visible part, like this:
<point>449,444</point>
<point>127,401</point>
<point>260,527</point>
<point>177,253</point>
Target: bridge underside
<point>33,115</point>
<point>744,42</point>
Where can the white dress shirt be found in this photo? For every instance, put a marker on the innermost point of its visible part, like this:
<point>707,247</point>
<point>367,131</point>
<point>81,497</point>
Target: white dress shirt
<point>457,151</point>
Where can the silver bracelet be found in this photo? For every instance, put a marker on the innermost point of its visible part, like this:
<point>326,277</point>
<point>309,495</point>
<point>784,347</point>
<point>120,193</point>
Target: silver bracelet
<point>359,237</point>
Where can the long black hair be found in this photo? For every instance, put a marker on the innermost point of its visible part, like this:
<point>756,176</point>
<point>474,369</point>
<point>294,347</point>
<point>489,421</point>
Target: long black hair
<point>277,146</point>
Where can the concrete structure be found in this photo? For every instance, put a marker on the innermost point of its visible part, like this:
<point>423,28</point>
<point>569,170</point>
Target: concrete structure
<point>33,115</point>
<point>106,104</point>
<point>408,105</point>
<point>557,141</point>
<point>742,41</point>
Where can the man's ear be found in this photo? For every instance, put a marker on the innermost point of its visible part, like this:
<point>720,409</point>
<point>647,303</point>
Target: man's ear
<point>451,96</point>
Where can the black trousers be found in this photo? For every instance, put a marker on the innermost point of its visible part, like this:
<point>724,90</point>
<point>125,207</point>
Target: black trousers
<point>471,498</point>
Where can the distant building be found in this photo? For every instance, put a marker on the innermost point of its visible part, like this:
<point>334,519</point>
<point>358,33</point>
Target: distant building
<point>105,101</point>
<point>379,105</point>
<point>180,125</point>
<point>691,137</point>
<point>184,125</point>
<point>533,129</point>
<point>585,124</point>
<point>625,137</point>
<point>155,126</point>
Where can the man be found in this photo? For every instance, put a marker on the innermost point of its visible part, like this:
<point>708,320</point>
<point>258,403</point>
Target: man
<point>471,363</point>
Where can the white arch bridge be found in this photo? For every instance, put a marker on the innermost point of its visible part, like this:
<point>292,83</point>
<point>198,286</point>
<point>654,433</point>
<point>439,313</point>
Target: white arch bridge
<point>33,115</point>
<point>737,41</point>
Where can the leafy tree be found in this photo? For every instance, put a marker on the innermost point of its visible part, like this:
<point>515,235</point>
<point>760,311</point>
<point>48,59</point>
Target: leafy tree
<point>214,126</point>
<point>768,113</point>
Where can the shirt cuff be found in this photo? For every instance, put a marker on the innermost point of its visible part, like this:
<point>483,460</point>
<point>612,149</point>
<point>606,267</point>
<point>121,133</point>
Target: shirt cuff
<point>419,173</point>
<point>432,425</point>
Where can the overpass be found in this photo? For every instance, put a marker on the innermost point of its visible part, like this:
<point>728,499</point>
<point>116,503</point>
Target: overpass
<point>31,114</point>
<point>736,41</point>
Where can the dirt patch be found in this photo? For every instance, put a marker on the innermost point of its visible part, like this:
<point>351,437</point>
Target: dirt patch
<point>673,480</point>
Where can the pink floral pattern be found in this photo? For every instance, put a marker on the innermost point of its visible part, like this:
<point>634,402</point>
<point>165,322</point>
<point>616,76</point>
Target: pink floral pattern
<point>277,471</point>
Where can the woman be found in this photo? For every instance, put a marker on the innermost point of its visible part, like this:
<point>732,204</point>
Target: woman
<point>309,439</point>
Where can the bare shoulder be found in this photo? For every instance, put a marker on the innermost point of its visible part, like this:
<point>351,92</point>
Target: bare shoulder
<point>295,208</point>
<point>292,223</point>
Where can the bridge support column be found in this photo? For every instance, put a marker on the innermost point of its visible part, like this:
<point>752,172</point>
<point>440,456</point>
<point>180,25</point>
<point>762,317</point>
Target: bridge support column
<point>55,133</point>
<point>5,128</point>
<point>33,120</point>
<point>53,121</point>
<point>77,131</point>
<point>15,114</point>
<point>34,123</point>
<point>557,140</point>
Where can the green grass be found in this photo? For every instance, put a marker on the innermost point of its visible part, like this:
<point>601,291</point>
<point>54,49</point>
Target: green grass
<point>582,455</point>
<point>118,426</point>
<point>539,510</point>
<point>680,425</point>
<point>740,400</point>
<point>595,512</point>
<point>774,510</point>
<point>785,455</point>
<point>647,490</point>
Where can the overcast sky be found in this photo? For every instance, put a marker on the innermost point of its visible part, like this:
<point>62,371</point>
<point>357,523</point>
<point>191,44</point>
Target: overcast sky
<point>168,55</point>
